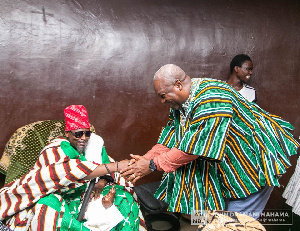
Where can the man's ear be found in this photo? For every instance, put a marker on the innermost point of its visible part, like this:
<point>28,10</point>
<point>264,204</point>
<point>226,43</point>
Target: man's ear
<point>178,84</point>
<point>67,134</point>
<point>236,68</point>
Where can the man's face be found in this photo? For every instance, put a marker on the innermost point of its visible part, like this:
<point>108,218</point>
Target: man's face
<point>172,95</point>
<point>77,141</point>
<point>245,71</point>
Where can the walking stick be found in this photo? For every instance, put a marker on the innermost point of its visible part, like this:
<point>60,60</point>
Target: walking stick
<point>86,200</point>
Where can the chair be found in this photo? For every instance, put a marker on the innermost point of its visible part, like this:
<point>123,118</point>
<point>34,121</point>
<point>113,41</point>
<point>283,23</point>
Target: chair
<point>154,209</point>
<point>24,147</point>
<point>149,204</point>
<point>3,227</point>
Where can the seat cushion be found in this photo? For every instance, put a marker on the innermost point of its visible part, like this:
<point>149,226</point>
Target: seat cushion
<point>145,194</point>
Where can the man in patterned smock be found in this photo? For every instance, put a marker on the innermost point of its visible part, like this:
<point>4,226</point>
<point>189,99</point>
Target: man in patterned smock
<point>215,145</point>
<point>48,196</point>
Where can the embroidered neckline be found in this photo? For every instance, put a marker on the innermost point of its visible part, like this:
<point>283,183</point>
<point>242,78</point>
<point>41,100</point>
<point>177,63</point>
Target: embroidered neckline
<point>185,106</point>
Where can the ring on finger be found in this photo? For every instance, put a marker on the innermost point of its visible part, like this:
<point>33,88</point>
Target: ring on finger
<point>133,176</point>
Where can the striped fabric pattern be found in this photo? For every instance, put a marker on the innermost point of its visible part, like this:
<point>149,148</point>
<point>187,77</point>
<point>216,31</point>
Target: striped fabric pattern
<point>242,148</point>
<point>54,171</point>
<point>54,206</point>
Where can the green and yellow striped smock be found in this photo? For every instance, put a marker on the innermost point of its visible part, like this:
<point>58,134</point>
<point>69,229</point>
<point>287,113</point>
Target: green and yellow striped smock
<point>242,148</point>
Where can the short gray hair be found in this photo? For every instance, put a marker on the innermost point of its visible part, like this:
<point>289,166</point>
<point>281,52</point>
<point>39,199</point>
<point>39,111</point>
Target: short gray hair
<point>169,73</point>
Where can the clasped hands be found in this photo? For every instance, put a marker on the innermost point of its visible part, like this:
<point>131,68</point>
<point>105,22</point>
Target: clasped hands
<point>137,168</point>
<point>131,170</point>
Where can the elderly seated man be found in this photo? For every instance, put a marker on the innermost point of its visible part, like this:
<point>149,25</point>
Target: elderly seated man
<point>49,196</point>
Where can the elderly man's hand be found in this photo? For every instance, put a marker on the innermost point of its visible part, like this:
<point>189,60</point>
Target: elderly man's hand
<point>98,189</point>
<point>137,169</point>
<point>123,164</point>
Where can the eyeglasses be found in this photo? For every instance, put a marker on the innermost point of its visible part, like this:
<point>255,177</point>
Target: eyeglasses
<point>80,134</point>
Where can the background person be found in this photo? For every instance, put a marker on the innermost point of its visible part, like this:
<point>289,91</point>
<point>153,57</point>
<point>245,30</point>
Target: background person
<point>241,67</point>
<point>292,190</point>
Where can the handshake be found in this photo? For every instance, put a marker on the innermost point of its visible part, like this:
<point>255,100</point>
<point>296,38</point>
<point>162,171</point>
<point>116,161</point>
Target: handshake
<point>134,169</point>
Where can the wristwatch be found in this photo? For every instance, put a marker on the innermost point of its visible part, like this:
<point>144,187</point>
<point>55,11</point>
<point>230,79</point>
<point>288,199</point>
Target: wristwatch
<point>152,166</point>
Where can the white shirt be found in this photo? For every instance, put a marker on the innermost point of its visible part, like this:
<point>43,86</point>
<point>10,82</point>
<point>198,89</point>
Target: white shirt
<point>248,92</point>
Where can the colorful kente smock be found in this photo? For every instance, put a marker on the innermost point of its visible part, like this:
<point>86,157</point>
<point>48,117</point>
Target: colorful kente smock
<point>241,148</point>
<point>48,196</point>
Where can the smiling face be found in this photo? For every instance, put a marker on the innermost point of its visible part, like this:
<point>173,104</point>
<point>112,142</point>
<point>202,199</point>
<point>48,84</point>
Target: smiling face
<point>78,143</point>
<point>174,95</point>
<point>245,71</point>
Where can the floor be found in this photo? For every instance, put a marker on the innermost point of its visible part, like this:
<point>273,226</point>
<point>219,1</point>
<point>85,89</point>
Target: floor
<point>185,224</point>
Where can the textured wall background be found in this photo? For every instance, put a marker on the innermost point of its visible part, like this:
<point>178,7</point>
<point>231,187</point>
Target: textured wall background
<point>103,54</point>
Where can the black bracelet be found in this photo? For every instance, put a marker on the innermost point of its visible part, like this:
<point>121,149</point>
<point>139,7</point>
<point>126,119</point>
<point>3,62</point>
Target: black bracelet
<point>109,172</point>
<point>117,166</point>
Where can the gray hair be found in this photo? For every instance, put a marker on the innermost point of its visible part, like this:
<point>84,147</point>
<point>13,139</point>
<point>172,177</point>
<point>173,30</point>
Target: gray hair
<point>169,73</point>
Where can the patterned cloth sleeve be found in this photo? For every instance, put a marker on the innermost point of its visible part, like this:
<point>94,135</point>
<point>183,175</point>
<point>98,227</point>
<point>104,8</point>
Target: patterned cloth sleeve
<point>55,172</point>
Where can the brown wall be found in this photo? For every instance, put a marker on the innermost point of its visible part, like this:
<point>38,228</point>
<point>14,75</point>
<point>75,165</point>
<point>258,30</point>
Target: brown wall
<point>103,54</point>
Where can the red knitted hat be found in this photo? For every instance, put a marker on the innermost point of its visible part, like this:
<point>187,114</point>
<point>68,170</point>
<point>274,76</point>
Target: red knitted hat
<point>76,117</point>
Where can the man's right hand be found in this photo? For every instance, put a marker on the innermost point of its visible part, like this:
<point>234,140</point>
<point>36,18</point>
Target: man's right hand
<point>138,168</point>
<point>123,164</point>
